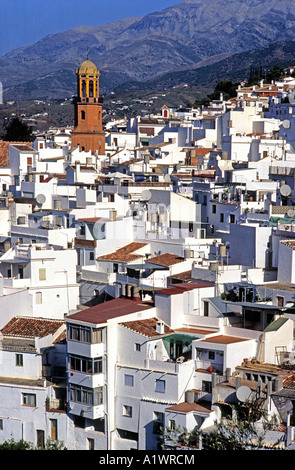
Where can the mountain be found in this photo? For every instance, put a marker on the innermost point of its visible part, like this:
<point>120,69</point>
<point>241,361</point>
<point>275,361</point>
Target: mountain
<point>235,68</point>
<point>178,38</point>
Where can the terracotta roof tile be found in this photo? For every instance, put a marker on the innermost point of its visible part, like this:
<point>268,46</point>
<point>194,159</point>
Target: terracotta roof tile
<point>185,276</point>
<point>31,327</point>
<point>223,339</point>
<point>191,407</point>
<point>4,152</point>
<point>126,253</point>
<point>166,259</point>
<point>146,327</point>
<point>289,382</point>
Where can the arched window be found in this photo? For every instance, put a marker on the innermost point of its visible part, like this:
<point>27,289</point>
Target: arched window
<point>83,114</point>
<point>84,88</point>
<point>90,88</point>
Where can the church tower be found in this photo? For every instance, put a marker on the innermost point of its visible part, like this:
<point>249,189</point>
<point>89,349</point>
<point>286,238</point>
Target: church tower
<point>88,133</point>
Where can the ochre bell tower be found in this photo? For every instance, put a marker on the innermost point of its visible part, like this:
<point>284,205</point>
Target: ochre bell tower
<point>88,133</point>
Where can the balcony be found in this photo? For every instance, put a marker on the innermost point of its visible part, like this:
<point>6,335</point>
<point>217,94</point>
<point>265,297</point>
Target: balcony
<point>86,349</point>
<point>86,410</point>
<point>56,405</point>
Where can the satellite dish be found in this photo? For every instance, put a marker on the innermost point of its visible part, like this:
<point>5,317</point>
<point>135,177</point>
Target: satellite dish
<point>243,393</point>
<point>40,199</point>
<point>157,151</point>
<point>146,195</point>
<point>291,212</point>
<point>285,190</point>
<point>286,124</point>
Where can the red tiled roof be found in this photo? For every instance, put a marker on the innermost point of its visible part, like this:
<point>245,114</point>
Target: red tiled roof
<point>189,407</point>
<point>146,327</point>
<point>179,288</point>
<point>289,382</point>
<point>90,220</point>
<point>4,152</point>
<point>166,259</point>
<point>23,147</point>
<point>105,311</point>
<point>185,276</point>
<point>31,327</point>
<point>223,339</point>
<point>126,253</point>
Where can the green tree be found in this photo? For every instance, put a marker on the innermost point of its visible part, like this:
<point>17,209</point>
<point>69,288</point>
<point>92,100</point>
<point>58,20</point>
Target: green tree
<point>15,445</point>
<point>18,131</point>
<point>24,445</point>
<point>238,433</point>
<point>226,87</point>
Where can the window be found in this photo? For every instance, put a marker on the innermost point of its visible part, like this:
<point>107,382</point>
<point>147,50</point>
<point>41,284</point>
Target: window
<point>42,274</point>
<point>86,395</point>
<point>83,115</point>
<point>29,399</point>
<point>199,353</point>
<point>137,347</point>
<point>80,333</point>
<point>211,355</point>
<point>97,365</point>
<point>91,255</point>
<point>38,297</point>
<point>214,209</point>
<point>206,386</point>
<point>1,424</point>
<point>160,386</point>
<point>232,218</point>
<point>96,335</point>
<point>127,411</point>
<point>129,380</point>
<point>158,422</point>
<point>86,365</point>
<point>221,217</point>
<point>85,334</point>
<point>172,424</point>
<point>91,88</point>
<point>82,230</point>
<point>19,360</point>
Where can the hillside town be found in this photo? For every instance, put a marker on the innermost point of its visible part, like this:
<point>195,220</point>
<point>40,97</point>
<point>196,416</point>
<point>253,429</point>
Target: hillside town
<point>147,273</point>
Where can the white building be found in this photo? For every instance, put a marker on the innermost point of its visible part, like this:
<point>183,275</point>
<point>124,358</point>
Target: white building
<point>47,277</point>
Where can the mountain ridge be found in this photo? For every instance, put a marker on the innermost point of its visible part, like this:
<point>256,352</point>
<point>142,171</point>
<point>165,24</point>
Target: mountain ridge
<point>142,48</point>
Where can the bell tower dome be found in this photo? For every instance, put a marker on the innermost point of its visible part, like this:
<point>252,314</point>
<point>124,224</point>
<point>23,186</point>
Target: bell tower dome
<point>88,132</point>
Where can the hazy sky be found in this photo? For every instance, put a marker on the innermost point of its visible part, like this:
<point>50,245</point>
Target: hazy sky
<point>24,22</point>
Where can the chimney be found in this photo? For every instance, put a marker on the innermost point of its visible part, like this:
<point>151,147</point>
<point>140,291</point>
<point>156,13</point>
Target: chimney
<point>278,382</point>
<point>190,396</point>
<point>227,374</point>
<point>238,382</point>
<point>160,327</point>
